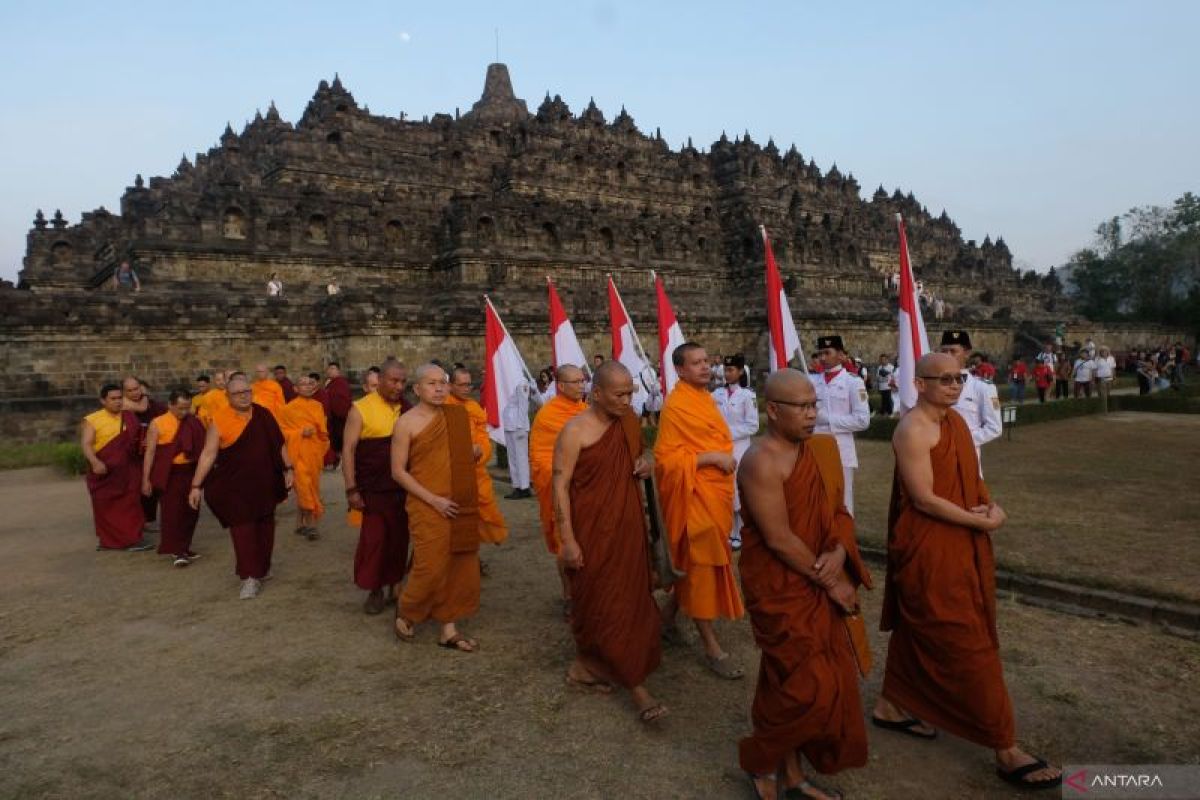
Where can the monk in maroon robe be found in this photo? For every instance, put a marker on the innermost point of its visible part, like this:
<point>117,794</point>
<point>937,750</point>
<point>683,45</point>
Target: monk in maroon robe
<point>337,389</point>
<point>598,460</point>
<point>109,439</point>
<point>285,383</point>
<point>943,662</point>
<point>174,441</point>
<point>146,409</point>
<point>800,567</point>
<point>250,474</point>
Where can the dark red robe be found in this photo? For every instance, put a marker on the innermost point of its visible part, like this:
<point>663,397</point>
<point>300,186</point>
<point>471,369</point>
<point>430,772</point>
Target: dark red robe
<point>382,554</point>
<point>289,389</point>
<point>174,482</point>
<point>246,482</point>
<point>338,392</point>
<point>154,410</point>
<point>116,495</point>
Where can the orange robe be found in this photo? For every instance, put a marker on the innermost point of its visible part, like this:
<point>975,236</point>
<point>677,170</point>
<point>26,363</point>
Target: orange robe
<point>268,394</point>
<point>549,421</point>
<point>307,453</point>
<point>614,619</point>
<point>443,583</point>
<point>943,661</point>
<point>807,698</point>
<point>492,527</point>
<point>215,400</point>
<point>697,502</point>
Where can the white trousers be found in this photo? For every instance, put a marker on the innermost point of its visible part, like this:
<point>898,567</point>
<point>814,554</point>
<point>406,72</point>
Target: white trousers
<point>517,444</point>
<point>848,479</point>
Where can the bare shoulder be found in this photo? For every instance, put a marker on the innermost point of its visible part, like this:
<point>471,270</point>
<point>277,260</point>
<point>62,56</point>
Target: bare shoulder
<point>913,431</point>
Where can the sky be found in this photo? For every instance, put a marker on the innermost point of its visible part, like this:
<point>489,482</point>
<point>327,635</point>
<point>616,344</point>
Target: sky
<point>1028,120</point>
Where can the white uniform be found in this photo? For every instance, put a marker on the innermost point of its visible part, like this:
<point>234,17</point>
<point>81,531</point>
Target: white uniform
<point>979,406</point>
<point>740,409</point>
<point>515,419</point>
<point>843,410</point>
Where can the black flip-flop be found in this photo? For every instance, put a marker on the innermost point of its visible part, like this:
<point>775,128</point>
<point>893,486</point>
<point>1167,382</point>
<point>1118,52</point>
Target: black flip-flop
<point>1016,777</point>
<point>902,726</point>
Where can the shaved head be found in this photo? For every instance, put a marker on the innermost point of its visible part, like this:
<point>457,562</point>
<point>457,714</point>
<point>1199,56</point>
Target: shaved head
<point>569,372</point>
<point>783,384</point>
<point>570,382</point>
<point>425,371</point>
<point>936,364</point>
<point>610,373</point>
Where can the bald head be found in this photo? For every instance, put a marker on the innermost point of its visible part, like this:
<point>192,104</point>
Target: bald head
<point>610,373</point>
<point>937,380</point>
<point>261,372</point>
<point>936,364</point>
<point>238,390</point>
<point>785,384</point>
<point>425,371</point>
<point>571,382</point>
<point>791,406</point>
<point>393,375</point>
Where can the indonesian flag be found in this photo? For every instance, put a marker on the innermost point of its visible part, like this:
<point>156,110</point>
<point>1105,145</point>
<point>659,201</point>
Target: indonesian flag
<point>626,349</point>
<point>506,372</point>
<point>913,342</point>
<point>784,340</point>
<point>563,344</point>
<point>670,336</point>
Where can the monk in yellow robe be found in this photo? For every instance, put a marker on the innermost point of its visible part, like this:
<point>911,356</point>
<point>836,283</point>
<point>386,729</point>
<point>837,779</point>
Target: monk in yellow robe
<point>939,602</point>
<point>800,567</point>
<point>266,391</point>
<point>304,429</point>
<point>213,400</point>
<point>433,461</point>
<point>550,419</point>
<point>492,528</point>
<point>201,388</point>
<point>694,468</point>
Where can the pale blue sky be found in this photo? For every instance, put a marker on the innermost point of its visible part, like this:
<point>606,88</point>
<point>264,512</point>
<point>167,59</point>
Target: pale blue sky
<point>1030,120</point>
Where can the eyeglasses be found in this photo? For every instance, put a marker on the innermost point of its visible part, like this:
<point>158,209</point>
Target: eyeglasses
<point>946,380</point>
<point>813,406</point>
<point>244,391</point>
<point>580,380</point>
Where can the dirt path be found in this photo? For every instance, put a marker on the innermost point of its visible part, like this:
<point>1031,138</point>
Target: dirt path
<point>123,677</point>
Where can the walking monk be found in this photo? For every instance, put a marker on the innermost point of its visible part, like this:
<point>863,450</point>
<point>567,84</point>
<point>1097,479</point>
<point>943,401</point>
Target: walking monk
<point>109,439</point>
<point>432,460</point>
<point>251,474</point>
<point>337,393</point>
<point>174,441</point>
<point>598,504</point>
<point>694,467</point>
<point>800,566</point>
<point>266,391</point>
<point>146,409</point>
<point>939,602</point>
<point>382,554</point>
<point>303,424</point>
<point>213,399</point>
<point>550,419</point>
<point>492,528</point>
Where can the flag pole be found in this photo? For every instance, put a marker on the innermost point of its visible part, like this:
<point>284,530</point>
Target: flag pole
<point>524,366</point>
<point>636,339</point>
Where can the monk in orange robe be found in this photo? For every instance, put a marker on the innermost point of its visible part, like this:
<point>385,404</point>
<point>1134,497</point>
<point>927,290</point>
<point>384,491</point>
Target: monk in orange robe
<point>213,400</point>
<point>374,497</point>
<point>598,462</point>
<point>201,387</point>
<point>252,475</point>
<point>547,423</point>
<point>694,468</point>
<point>800,566</point>
<point>174,441</point>
<point>303,424</point>
<point>432,459</point>
<point>110,441</point>
<point>492,528</point>
<point>266,391</point>
<point>943,661</point>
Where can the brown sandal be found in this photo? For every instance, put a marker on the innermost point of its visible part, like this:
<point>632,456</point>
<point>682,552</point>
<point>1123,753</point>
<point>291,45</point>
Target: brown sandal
<point>400,635</point>
<point>458,639</point>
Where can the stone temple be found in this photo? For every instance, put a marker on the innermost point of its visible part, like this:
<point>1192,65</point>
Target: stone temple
<point>417,220</point>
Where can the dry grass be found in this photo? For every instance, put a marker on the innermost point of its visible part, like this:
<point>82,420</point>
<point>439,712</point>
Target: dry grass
<point>1109,501</point>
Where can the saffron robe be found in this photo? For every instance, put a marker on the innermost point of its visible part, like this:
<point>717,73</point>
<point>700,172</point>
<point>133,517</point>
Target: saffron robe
<point>807,698</point>
<point>939,602</point>
<point>614,618</point>
<point>246,482</point>
<point>268,394</point>
<point>214,401</point>
<point>116,495</point>
<point>549,420</point>
<point>381,557</point>
<point>444,580</point>
<point>697,502</point>
<point>492,527</point>
<point>307,453</point>
<point>177,449</point>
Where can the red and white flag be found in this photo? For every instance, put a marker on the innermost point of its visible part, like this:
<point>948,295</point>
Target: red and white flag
<point>670,336</point>
<point>913,341</point>
<point>626,347</point>
<point>505,374</point>
<point>563,344</point>
<point>784,340</point>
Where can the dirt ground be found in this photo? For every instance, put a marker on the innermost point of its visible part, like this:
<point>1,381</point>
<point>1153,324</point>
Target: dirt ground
<point>1105,500</point>
<point>123,677</point>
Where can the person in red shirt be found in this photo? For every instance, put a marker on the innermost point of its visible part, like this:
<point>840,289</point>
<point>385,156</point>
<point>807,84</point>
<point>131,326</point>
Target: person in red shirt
<point>1043,379</point>
<point>985,370</point>
<point>1018,373</point>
